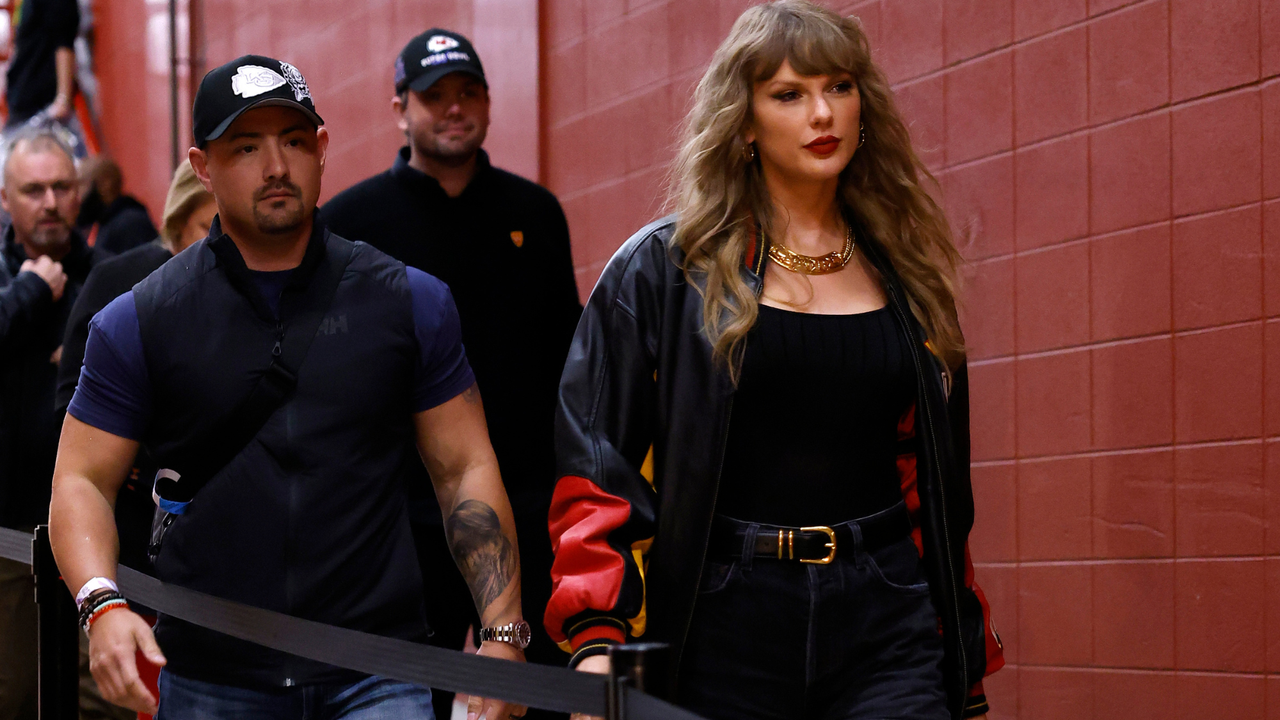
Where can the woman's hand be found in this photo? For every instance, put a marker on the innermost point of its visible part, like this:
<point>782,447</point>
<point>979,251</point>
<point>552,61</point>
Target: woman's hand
<point>595,664</point>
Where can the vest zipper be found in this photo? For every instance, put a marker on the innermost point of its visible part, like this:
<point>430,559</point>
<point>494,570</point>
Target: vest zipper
<point>291,667</point>
<point>946,530</point>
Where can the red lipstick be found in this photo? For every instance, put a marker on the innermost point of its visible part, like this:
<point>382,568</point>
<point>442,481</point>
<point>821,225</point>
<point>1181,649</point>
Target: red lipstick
<point>824,145</point>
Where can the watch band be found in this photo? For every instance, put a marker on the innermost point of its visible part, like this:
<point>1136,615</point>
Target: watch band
<point>514,633</point>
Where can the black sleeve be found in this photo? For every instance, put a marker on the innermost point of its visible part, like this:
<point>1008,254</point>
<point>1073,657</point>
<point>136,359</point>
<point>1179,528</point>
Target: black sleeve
<point>65,22</point>
<point>20,301</point>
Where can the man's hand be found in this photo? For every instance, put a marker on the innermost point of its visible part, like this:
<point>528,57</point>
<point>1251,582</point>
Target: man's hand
<point>114,641</point>
<point>598,664</point>
<point>495,709</point>
<point>48,271</point>
<point>61,108</point>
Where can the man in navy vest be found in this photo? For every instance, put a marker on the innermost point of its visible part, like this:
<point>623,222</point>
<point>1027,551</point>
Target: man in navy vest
<point>308,518</point>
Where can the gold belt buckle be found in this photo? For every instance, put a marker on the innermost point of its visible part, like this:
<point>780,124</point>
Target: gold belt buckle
<point>832,545</point>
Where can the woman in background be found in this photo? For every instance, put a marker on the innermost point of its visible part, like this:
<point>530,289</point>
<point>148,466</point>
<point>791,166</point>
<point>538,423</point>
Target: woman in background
<point>762,437</point>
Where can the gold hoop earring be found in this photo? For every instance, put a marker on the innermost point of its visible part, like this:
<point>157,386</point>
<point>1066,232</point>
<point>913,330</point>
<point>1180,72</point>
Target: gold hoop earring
<point>750,152</point>
<point>862,135</point>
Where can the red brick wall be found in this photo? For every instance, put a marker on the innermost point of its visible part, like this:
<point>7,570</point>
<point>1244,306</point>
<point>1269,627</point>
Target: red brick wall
<point>1115,167</point>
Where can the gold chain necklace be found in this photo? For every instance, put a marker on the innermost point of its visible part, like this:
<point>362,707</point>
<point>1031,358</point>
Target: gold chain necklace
<point>810,265</point>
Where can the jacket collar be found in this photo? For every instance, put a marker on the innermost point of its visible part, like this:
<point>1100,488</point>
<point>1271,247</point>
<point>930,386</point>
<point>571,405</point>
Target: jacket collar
<point>232,262</point>
<point>757,250</point>
<point>402,171</point>
<point>76,263</point>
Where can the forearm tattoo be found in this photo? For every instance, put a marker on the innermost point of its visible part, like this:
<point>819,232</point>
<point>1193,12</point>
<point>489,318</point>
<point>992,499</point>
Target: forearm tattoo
<point>486,557</point>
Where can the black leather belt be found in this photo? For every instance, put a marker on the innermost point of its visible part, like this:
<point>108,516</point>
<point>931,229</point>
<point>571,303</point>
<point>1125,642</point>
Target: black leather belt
<point>818,544</point>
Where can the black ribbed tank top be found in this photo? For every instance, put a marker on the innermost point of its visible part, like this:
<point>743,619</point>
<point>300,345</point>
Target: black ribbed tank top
<point>813,433</point>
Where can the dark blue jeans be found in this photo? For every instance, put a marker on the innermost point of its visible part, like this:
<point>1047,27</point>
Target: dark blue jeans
<point>854,640</point>
<point>373,698</point>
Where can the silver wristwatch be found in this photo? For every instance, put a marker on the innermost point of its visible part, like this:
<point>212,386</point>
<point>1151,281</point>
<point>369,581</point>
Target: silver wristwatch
<point>515,633</point>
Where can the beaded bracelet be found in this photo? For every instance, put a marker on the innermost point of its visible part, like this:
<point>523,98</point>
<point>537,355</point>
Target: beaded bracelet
<point>103,609</point>
<point>96,601</point>
<point>94,597</point>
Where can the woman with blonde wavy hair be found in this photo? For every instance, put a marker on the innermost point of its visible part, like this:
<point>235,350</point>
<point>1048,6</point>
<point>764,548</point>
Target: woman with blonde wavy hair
<point>762,437</point>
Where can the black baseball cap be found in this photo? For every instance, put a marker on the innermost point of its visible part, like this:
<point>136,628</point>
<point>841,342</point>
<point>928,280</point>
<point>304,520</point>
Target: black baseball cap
<point>247,82</point>
<point>432,55</point>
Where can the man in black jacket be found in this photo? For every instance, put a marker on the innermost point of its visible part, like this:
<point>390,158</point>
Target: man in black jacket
<point>44,264</point>
<point>122,221</point>
<point>501,243</point>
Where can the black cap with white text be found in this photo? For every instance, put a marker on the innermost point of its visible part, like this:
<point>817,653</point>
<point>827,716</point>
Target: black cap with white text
<point>247,82</point>
<point>432,55</point>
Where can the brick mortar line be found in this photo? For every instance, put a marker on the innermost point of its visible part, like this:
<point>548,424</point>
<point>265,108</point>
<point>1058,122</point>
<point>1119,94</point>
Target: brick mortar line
<point>1081,347</point>
<point>1143,671</point>
<point>1014,44</point>
<point>607,183</point>
<point>1101,562</point>
<point>1089,128</point>
<point>621,99</point>
<point>1262,442</point>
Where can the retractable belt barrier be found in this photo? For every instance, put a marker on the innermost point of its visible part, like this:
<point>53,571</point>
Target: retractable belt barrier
<point>15,545</point>
<point>533,685</point>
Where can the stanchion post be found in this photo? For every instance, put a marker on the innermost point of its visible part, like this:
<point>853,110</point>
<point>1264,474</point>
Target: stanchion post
<point>640,666</point>
<point>59,635</point>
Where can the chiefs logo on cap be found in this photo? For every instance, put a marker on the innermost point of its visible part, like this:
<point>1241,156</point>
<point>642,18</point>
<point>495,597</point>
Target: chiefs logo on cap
<point>517,237</point>
<point>253,80</point>
<point>440,43</point>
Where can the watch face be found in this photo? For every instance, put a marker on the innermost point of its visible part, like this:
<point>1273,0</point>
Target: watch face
<point>524,634</point>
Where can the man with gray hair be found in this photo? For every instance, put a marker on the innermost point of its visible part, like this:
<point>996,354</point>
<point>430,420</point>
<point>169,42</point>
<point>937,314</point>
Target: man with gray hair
<point>43,262</point>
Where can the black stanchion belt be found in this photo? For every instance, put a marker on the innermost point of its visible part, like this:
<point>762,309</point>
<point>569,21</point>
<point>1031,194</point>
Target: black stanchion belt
<point>538,686</point>
<point>16,546</point>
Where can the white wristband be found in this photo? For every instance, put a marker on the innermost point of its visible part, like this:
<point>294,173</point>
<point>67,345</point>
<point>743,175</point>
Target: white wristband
<point>98,583</point>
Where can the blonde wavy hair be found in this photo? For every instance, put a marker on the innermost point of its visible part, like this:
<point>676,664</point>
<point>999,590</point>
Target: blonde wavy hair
<point>718,194</point>
<point>186,195</point>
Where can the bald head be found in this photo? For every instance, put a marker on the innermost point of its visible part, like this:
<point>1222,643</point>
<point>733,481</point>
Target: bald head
<point>40,193</point>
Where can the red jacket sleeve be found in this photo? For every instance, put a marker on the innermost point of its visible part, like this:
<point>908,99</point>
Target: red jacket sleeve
<point>602,517</point>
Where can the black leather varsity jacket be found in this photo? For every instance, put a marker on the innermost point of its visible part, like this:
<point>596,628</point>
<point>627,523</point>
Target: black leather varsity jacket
<point>640,434</point>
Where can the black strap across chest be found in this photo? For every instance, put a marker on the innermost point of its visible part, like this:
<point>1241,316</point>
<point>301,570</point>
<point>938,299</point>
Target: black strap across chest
<point>193,463</point>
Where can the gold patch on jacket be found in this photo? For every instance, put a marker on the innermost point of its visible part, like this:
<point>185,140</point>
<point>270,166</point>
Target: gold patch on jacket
<point>517,237</point>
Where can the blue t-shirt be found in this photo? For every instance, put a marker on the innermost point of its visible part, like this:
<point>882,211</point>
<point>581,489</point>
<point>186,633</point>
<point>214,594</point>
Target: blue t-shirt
<point>114,393</point>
